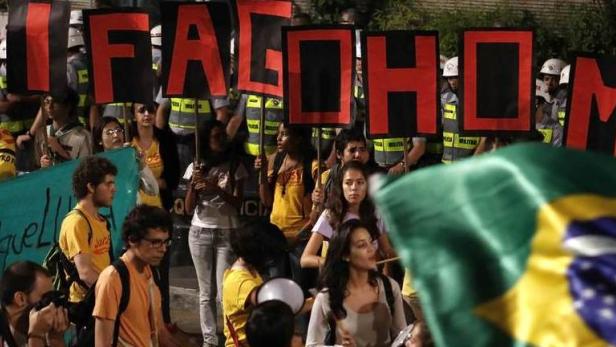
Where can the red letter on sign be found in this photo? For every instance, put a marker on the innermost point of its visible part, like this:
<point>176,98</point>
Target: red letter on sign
<point>37,40</point>
<point>421,79</point>
<point>260,72</point>
<point>205,50</point>
<point>588,86</point>
<point>103,51</point>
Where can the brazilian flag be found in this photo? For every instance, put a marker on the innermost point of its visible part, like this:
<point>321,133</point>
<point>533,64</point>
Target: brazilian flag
<point>512,248</point>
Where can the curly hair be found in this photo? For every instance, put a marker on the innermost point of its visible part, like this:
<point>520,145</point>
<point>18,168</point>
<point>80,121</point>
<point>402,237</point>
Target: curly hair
<point>250,242</point>
<point>338,207</point>
<point>142,218</point>
<point>91,170</point>
<point>335,275</point>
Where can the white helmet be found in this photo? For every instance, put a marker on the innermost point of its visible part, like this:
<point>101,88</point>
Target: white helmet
<point>156,36</point>
<point>552,67</point>
<point>541,90</point>
<point>564,75</point>
<point>75,38</point>
<point>451,68</point>
<point>76,17</point>
<point>443,61</point>
<point>3,49</point>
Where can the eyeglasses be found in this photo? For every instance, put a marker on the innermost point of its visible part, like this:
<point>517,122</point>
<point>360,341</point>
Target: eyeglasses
<point>142,109</point>
<point>114,131</point>
<point>158,243</point>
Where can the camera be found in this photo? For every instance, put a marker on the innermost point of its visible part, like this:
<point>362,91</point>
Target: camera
<point>58,298</point>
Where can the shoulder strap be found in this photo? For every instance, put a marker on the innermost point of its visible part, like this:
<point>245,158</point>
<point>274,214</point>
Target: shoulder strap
<point>79,212</point>
<point>389,294</point>
<point>125,280</point>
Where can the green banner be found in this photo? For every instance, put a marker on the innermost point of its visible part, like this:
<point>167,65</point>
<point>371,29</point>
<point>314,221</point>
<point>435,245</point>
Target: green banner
<point>34,205</point>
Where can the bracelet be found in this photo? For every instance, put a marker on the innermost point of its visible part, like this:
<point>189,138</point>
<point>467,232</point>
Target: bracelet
<point>36,336</point>
<point>29,133</point>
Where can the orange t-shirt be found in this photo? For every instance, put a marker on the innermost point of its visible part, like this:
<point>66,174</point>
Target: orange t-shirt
<point>137,322</point>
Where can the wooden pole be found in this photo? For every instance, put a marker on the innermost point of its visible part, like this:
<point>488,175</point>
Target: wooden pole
<point>197,142</point>
<point>405,159</point>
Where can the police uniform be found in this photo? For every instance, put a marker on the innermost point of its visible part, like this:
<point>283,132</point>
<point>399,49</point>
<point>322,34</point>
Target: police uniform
<point>455,147</point>
<point>559,109</point>
<point>78,80</point>
<point>551,130</point>
<point>251,105</point>
<point>182,121</point>
<point>328,135</point>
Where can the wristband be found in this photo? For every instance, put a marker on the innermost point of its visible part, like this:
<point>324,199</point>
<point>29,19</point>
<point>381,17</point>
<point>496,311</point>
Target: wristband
<point>29,133</point>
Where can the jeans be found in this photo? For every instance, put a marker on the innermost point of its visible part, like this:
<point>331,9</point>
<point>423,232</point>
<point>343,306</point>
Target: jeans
<point>211,254</point>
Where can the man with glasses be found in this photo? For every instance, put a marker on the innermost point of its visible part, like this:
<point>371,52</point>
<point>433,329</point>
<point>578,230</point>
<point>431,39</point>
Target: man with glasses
<point>65,138</point>
<point>84,235</point>
<point>146,233</point>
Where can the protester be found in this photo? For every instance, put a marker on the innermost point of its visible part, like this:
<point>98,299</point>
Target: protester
<point>270,324</point>
<point>242,279</point>
<point>348,200</point>
<point>65,139</point>
<point>215,195</point>
<point>23,285</point>
<point>350,145</point>
<point>286,181</point>
<point>355,306</point>
<point>107,135</point>
<point>157,149</point>
<point>85,238</point>
<point>146,233</point>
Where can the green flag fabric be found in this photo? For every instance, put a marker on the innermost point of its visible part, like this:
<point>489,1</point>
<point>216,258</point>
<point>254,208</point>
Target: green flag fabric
<point>511,248</point>
<point>34,205</point>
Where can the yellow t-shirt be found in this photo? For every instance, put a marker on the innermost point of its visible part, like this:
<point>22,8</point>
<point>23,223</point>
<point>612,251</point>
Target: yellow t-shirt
<point>407,284</point>
<point>288,208</point>
<point>236,288</point>
<point>137,322</point>
<point>74,241</point>
<point>7,155</point>
<point>154,161</point>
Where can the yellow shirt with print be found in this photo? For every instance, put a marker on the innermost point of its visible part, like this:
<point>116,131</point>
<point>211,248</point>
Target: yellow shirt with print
<point>154,161</point>
<point>7,155</point>
<point>74,241</point>
<point>236,288</point>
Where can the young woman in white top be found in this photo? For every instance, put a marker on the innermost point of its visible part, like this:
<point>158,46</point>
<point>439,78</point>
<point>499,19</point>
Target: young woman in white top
<point>356,306</point>
<point>215,194</point>
<point>348,200</point>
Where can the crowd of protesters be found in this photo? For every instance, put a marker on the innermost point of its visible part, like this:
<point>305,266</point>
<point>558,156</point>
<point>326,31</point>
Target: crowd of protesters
<point>321,229</point>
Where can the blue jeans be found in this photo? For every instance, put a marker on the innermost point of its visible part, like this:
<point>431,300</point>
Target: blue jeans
<point>211,254</point>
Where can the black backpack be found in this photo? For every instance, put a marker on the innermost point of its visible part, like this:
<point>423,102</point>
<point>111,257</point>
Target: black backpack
<point>84,336</point>
<point>61,269</point>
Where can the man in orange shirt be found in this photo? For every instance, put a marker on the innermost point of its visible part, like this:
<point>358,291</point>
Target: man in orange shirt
<point>146,235</point>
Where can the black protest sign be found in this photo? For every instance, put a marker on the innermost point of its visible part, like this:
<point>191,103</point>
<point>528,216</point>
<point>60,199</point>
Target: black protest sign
<point>120,67</point>
<point>497,87</point>
<point>36,46</point>
<point>401,83</point>
<point>258,45</point>
<point>195,49</point>
<point>318,75</point>
<point>591,109</point>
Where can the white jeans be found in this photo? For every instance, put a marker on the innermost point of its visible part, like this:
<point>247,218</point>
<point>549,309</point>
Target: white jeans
<point>211,255</point>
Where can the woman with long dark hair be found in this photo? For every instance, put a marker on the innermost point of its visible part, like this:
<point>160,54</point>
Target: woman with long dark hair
<point>286,181</point>
<point>157,149</point>
<point>348,200</point>
<point>215,195</point>
<point>356,306</point>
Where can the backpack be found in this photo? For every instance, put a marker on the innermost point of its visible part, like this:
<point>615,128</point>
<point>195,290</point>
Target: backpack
<point>63,271</point>
<point>330,338</point>
<point>84,336</point>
